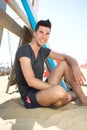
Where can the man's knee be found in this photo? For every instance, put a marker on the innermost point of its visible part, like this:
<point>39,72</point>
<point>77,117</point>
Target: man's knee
<point>63,63</point>
<point>59,92</point>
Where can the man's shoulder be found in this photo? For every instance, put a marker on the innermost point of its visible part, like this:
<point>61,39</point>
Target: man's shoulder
<point>23,47</point>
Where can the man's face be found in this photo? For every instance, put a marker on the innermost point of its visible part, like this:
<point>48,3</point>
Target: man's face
<point>42,35</point>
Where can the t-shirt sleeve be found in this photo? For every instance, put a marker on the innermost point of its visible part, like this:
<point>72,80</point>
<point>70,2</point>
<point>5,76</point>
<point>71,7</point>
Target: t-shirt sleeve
<point>23,51</point>
<point>47,51</point>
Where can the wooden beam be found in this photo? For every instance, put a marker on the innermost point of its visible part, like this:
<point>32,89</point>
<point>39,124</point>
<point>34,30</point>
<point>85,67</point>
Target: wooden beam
<point>1,33</point>
<point>2,6</point>
<point>13,4</point>
<point>7,22</point>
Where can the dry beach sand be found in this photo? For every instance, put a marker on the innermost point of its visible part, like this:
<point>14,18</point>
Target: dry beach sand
<point>13,116</point>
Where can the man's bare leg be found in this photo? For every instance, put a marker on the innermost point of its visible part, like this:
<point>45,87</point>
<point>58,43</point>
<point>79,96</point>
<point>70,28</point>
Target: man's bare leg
<point>56,96</point>
<point>64,70</point>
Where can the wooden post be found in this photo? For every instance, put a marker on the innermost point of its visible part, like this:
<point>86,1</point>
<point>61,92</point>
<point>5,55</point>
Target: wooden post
<point>2,6</point>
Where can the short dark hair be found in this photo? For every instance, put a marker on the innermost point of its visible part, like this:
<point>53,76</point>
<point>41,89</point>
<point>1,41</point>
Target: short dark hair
<point>45,23</point>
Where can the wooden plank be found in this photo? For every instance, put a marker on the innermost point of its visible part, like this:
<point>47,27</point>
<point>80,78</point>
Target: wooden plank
<point>2,6</point>
<point>13,4</point>
<point>1,33</point>
<point>7,22</point>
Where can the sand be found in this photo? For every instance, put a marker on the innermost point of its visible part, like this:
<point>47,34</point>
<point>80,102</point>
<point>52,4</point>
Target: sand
<point>13,116</point>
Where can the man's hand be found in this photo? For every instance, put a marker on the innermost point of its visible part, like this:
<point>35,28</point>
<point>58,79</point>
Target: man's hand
<point>78,75</point>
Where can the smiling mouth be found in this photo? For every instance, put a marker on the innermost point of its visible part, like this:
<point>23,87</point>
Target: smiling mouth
<point>42,41</point>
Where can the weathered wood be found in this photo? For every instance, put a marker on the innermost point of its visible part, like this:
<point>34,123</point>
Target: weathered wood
<point>26,37</point>
<point>1,33</point>
<point>7,22</point>
<point>13,4</point>
<point>2,6</point>
<point>24,33</point>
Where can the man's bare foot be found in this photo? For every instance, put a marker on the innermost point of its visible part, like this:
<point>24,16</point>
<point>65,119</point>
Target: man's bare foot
<point>70,99</point>
<point>74,98</point>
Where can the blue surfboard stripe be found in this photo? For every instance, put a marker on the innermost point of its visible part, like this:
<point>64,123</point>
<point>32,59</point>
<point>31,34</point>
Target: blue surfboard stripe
<point>29,14</point>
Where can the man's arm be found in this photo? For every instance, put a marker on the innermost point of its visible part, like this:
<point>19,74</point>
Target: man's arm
<point>58,56</point>
<point>71,61</point>
<point>29,75</point>
<point>78,75</point>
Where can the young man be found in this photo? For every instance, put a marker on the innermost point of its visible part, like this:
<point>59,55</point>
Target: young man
<point>29,68</point>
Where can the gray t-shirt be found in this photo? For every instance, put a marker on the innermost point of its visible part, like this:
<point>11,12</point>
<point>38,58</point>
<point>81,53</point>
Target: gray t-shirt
<point>37,65</point>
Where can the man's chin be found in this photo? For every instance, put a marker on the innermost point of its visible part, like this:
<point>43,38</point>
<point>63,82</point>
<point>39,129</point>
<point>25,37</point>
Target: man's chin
<point>40,45</point>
